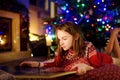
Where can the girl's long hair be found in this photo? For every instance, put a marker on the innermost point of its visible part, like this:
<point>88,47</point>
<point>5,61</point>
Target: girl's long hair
<point>74,30</point>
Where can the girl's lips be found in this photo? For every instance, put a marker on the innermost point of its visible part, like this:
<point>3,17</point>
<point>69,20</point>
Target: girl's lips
<point>63,47</point>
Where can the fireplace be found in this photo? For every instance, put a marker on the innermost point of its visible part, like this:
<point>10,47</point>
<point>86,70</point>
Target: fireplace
<point>5,34</point>
<point>10,31</point>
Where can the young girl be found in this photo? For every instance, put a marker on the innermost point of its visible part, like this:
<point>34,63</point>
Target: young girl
<point>73,52</point>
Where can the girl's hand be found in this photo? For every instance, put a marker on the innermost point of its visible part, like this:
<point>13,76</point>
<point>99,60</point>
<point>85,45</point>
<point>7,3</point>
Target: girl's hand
<point>30,63</point>
<point>81,68</point>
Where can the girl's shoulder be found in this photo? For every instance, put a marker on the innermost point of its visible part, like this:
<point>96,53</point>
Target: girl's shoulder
<point>89,46</point>
<point>88,43</point>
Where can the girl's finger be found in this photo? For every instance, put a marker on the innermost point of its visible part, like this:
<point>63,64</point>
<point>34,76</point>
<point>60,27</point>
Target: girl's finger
<point>81,71</point>
<point>74,67</point>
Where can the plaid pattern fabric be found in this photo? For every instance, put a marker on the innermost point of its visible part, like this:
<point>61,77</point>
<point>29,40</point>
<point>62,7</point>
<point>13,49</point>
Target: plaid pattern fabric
<point>106,72</point>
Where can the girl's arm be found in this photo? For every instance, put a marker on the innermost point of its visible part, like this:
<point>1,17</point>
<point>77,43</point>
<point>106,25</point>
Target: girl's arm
<point>54,63</point>
<point>81,68</point>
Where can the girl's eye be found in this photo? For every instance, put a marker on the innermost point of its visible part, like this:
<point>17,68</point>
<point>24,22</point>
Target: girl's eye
<point>64,38</point>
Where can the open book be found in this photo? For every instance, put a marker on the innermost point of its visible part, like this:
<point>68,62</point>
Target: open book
<point>28,72</point>
<point>52,72</point>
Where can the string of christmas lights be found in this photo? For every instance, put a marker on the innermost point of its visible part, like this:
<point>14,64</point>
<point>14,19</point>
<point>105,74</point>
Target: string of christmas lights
<point>95,17</point>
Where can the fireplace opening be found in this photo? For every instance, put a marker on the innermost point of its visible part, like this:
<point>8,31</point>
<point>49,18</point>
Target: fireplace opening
<point>5,34</point>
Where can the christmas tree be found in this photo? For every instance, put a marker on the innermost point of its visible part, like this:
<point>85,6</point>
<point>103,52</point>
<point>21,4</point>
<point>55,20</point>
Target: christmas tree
<point>95,17</point>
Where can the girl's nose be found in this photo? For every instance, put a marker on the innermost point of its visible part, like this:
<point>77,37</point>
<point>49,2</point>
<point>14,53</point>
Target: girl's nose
<point>61,43</point>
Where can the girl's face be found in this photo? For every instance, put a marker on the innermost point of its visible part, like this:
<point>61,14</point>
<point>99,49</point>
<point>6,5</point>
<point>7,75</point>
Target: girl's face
<point>65,39</point>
